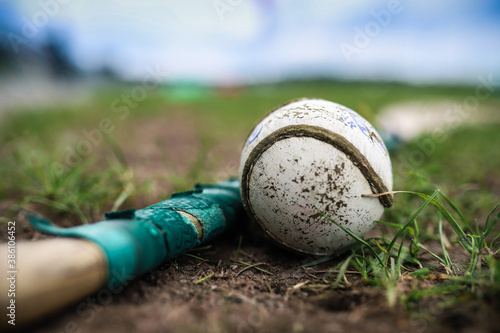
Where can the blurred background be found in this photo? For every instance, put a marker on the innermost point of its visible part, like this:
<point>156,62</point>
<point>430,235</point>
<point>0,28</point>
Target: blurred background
<point>172,88</point>
<point>242,42</point>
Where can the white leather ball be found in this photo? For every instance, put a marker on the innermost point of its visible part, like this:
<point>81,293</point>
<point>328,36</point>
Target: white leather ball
<point>308,157</point>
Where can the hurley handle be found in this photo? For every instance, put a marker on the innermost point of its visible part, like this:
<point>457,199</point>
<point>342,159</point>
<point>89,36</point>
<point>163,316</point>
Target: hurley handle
<point>48,275</point>
<point>54,273</point>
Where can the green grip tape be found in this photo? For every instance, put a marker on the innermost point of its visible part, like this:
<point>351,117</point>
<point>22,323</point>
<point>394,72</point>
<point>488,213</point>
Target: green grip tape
<point>136,241</point>
<point>131,247</point>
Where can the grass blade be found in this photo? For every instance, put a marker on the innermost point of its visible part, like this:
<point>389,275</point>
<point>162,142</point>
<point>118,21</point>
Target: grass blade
<point>488,227</point>
<point>390,224</point>
<point>360,240</point>
<point>412,218</point>
<point>446,256</point>
<point>342,270</point>
<point>459,213</point>
<point>204,278</point>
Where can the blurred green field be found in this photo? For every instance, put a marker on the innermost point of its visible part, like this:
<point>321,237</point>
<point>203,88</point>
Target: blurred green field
<point>225,113</point>
<point>32,140</point>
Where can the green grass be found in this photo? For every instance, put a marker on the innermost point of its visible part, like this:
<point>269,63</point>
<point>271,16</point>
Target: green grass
<point>383,260</point>
<point>418,239</point>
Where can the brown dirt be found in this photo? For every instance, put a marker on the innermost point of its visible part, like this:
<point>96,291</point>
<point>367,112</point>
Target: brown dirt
<point>236,299</point>
<point>239,299</point>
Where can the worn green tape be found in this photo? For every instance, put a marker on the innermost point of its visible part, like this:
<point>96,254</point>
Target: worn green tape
<point>131,247</point>
<point>136,241</point>
<point>178,233</point>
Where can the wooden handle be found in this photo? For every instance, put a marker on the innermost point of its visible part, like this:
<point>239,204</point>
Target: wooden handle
<point>50,275</point>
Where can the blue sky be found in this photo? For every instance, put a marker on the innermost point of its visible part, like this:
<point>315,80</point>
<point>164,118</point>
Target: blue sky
<point>243,41</point>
